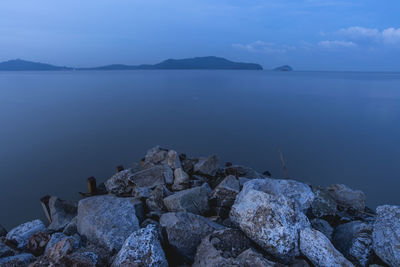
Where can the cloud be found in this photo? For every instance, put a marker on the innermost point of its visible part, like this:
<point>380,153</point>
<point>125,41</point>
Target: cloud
<point>370,36</point>
<point>391,36</point>
<point>264,47</point>
<point>337,44</point>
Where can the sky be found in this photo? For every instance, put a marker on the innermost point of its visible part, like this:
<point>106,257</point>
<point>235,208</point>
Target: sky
<point>339,35</point>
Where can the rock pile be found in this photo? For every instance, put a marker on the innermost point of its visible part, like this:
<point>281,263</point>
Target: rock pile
<point>174,210</point>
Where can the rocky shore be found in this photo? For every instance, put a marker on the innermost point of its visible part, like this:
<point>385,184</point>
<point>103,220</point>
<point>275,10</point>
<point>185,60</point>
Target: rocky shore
<point>175,210</point>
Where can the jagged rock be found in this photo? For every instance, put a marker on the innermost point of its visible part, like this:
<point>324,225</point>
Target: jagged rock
<point>57,237</point>
<point>299,193</point>
<point>71,228</point>
<point>242,171</point>
<point>228,248</point>
<point>322,226</point>
<point>61,212</point>
<point>161,156</point>
<point>141,192</point>
<point>185,231</point>
<point>347,197</point>
<point>3,231</point>
<point>37,243</point>
<point>17,260</point>
<point>19,236</point>
<point>118,184</point>
<point>194,200</point>
<point>207,166</point>
<point>5,250</point>
<point>324,204</point>
<point>181,180</point>
<point>172,160</point>
<point>354,240</point>
<point>157,175</point>
<point>155,202</point>
<point>62,248</point>
<point>107,220</point>
<point>142,248</point>
<point>272,221</point>
<point>224,194</point>
<point>386,234</point>
<point>319,250</point>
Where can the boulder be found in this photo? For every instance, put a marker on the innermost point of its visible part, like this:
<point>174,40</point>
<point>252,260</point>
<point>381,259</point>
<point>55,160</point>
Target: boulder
<point>61,212</point>
<point>207,166</point>
<point>118,184</point>
<point>323,204</point>
<point>141,192</point>
<point>71,228</point>
<point>57,237</point>
<point>354,241</point>
<point>107,220</point>
<point>161,156</point>
<point>181,180</point>
<point>172,160</point>
<point>271,221</point>
<point>157,175</point>
<point>5,250</point>
<point>184,233</point>
<point>347,197</point>
<point>322,226</point>
<point>194,200</point>
<point>22,259</point>
<point>37,243</point>
<point>3,231</point>
<point>386,234</point>
<point>224,194</point>
<point>20,235</point>
<point>319,250</point>
<point>228,247</point>
<point>61,249</point>
<point>242,171</point>
<point>142,248</point>
<point>299,193</point>
<point>155,202</point>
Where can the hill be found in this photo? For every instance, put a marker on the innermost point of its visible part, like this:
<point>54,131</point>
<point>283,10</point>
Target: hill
<point>22,65</point>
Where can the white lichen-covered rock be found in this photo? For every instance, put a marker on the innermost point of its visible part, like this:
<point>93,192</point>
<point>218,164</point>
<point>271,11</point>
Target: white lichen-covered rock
<point>298,192</point>
<point>386,234</point>
<point>207,166</point>
<point>185,231</point>
<point>354,240</point>
<point>181,180</point>
<point>319,250</point>
<point>194,200</point>
<point>224,194</point>
<point>271,221</point>
<point>19,236</point>
<point>347,197</point>
<point>61,212</point>
<point>107,220</point>
<point>142,248</point>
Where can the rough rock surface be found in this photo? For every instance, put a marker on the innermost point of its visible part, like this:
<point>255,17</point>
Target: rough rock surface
<point>319,250</point>
<point>71,228</point>
<point>161,156</point>
<point>142,248</point>
<point>324,204</point>
<point>37,243</point>
<point>207,166</point>
<point>107,220</point>
<point>194,200</point>
<point>185,231</point>
<point>22,259</point>
<point>118,184</point>
<point>157,175</point>
<point>5,250</point>
<point>20,235</point>
<point>273,222</point>
<point>322,226</point>
<point>347,197</point>
<point>354,240</point>
<point>298,192</point>
<point>224,194</point>
<point>181,180</point>
<point>155,201</point>
<point>61,212</point>
<point>386,234</point>
<point>242,171</point>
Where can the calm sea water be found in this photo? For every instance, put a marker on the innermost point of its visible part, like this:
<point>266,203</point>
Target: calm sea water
<point>58,128</point>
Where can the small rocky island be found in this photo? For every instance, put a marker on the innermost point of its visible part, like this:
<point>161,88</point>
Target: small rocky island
<point>174,210</point>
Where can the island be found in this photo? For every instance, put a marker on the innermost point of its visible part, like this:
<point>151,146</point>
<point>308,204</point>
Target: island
<point>284,68</point>
<point>23,65</point>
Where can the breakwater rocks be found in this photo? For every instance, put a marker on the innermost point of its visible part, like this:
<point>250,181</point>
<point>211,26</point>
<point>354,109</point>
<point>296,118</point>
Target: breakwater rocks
<point>174,210</point>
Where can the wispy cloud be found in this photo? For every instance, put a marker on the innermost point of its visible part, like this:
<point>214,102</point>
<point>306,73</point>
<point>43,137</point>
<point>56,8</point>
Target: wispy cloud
<point>371,36</point>
<point>264,47</point>
<point>336,44</point>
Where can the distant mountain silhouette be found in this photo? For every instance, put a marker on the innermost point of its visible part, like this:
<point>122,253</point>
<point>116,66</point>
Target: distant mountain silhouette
<point>187,63</point>
<point>212,63</point>
<point>21,65</point>
<point>284,68</point>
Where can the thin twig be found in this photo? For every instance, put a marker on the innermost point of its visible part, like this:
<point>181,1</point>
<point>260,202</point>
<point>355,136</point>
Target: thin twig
<point>283,163</point>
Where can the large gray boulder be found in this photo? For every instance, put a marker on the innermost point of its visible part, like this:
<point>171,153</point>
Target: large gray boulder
<point>319,250</point>
<point>347,197</point>
<point>228,247</point>
<point>194,200</point>
<point>20,235</point>
<point>107,220</point>
<point>271,221</point>
<point>142,248</point>
<point>185,232</point>
<point>299,193</point>
<point>207,166</point>
<point>61,212</point>
<point>386,234</point>
<point>224,194</point>
<point>354,240</point>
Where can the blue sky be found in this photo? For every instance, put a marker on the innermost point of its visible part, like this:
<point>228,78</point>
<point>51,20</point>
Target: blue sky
<point>307,34</point>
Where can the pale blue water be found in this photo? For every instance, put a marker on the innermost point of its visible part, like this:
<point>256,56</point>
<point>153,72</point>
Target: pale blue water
<point>58,128</point>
